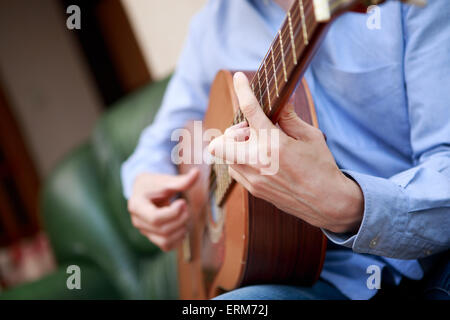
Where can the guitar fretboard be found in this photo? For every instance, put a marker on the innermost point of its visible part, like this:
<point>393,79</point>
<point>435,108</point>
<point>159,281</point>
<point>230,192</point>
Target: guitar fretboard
<point>285,53</point>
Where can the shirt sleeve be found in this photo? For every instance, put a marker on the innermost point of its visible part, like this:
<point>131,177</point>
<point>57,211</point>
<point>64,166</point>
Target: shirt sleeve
<point>407,216</point>
<point>185,99</point>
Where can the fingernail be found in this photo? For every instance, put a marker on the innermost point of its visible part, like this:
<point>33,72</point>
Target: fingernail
<point>239,76</point>
<point>211,147</point>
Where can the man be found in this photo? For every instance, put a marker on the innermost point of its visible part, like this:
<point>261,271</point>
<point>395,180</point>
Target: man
<point>379,187</point>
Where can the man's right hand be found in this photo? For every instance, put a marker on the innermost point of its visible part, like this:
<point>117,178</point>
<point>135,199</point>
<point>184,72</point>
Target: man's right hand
<point>162,222</point>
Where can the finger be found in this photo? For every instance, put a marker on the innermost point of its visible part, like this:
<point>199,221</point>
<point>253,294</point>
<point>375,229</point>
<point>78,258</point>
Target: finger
<point>183,182</point>
<point>217,147</point>
<point>248,103</point>
<point>292,124</point>
<point>238,134</point>
<point>175,184</point>
<point>155,217</point>
<point>242,124</point>
<point>165,229</point>
<point>167,243</point>
<point>235,173</point>
<point>139,205</point>
<point>245,176</point>
<point>175,224</point>
<point>228,150</point>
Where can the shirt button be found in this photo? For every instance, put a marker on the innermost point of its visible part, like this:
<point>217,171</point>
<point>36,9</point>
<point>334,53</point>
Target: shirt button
<point>428,252</point>
<point>373,243</point>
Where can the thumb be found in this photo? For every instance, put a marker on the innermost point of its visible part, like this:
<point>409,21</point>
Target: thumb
<point>292,124</point>
<point>248,103</point>
<point>182,182</point>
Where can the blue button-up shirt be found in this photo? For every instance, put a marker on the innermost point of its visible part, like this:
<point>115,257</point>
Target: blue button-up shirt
<point>383,100</point>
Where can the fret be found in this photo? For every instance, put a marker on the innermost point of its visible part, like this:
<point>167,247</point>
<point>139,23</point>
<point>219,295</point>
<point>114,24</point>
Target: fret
<point>282,55</point>
<point>299,42</point>
<point>282,65</point>
<point>276,86</point>
<point>253,89</point>
<point>302,15</point>
<point>267,86</point>
<point>296,27</point>
<point>275,73</point>
<point>260,94</point>
<point>299,24</point>
<point>275,67</point>
<point>294,54</point>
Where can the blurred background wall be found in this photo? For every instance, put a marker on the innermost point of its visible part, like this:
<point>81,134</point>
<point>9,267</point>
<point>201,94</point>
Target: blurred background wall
<point>46,80</point>
<point>55,83</point>
<point>161,36</point>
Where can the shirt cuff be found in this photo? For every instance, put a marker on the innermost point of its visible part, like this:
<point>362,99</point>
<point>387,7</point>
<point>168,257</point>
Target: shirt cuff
<point>384,220</point>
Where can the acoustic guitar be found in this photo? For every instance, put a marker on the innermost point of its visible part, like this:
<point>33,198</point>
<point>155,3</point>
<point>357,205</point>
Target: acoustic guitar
<point>237,239</point>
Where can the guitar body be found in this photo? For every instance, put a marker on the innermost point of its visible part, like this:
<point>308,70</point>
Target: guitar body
<point>246,240</point>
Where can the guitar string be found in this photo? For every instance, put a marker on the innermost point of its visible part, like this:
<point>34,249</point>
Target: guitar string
<point>285,27</point>
<point>297,23</point>
<point>274,77</point>
<point>279,62</point>
<point>275,46</point>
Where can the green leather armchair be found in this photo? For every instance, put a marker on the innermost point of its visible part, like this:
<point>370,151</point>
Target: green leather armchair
<point>86,218</point>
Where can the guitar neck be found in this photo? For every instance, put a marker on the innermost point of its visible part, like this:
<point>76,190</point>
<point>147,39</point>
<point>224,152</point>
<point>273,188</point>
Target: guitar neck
<point>287,59</point>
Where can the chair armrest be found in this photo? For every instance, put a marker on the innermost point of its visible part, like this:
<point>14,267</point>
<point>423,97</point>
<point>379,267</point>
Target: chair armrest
<point>114,139</point>
<point>79,225</point>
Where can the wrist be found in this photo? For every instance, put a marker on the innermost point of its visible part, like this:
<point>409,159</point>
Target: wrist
<point>355,204</point>
<point>348,206</point>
